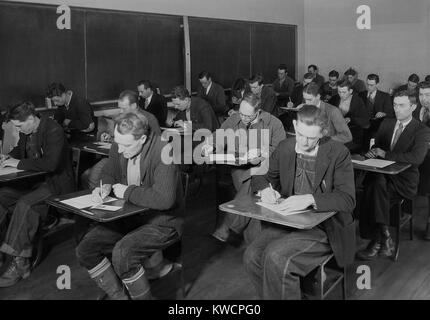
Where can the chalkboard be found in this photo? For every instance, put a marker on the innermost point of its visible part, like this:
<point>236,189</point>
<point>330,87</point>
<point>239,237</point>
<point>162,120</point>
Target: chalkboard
<point>35,53</point>
<point>272,44</point>
<point>220,47</point>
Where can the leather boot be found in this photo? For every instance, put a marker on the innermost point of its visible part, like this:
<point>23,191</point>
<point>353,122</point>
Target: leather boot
<point>156,266</point>
<point>138,286</point>
<point>106,278</point>
<point>18,269</point>
<point>387,244</point>
<point>371,252</point>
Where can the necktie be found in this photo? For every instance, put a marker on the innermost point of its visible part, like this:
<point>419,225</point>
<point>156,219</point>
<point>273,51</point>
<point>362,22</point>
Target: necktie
<point>426,115</point>
<point>146,103</point>
<point>397,135</point>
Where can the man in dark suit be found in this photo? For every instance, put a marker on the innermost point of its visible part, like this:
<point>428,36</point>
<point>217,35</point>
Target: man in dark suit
<point>213,93</point>
<point>266,94</point>
<point>412,85</point>
<point>355,113</point>
<point>317,78</point>
<point>309,170</point>
<point>422,113</point>
<point>193,109</point>
<point>357,85</point>
<point>403,139</point>
<point>329,89</point>
<point>42,147</point>
<point>151,101</point>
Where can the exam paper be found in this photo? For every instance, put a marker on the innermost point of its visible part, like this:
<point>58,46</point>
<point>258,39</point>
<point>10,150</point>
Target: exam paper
<point>217,157</point>
<point>85,201</point>
<point>106,207</point>
<point>8,170</point>
<point>277,208</point>
<point>377,163</point>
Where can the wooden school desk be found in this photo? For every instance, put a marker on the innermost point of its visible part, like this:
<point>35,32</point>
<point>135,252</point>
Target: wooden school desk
<point>392,169</point>
<point>19,175</point>
<point>127,209</point>
<point>246,206</point>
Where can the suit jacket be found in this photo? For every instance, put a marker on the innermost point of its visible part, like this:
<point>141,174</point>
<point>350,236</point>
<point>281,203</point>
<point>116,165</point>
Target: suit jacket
<point>160,189</point>
<point>411,148</point>
<point>215,97</point>
<point>319,80</point>
<point>285,89</point>
<point>334,189</point>
<point>424,169</point>
<point>79,112</point>
<point>157,106</point>
<point>358,112</point>
<point>382,103</point>
<point>201,113</point>
<point>337,128</point>
<point>268,100</point>
<point>297,95</point>
<point>55,159</point>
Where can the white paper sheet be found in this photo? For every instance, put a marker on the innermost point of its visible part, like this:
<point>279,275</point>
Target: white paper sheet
<point>104,145</point>
<point>106,207</point>
<point>217,157</point>
<point>85,201</point>
<point>276,208</point>
<point>8,170</point>
<point>377,163</point>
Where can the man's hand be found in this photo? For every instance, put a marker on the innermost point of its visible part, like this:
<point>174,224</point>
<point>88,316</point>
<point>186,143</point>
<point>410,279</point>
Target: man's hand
<point>207,149</point>
<point>375,152</point>
<point>119,190</point>
<point>231,112</point>
<point>296,203</point>
<point>269,195</point>
<point>178,123</point>
<point>98,196</point>
<point>380,115</point>
<point>290,105</point>
<point>9,162</point>
<point>66,122</point>
<point>105,137</point>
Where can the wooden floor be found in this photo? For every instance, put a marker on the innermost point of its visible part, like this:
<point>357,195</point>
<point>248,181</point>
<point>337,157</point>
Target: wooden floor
<point>215,271</point>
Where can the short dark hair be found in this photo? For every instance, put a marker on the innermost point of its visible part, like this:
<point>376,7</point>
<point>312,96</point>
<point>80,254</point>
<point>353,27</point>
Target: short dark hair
<point>312,89</point>
<point>256,78</point>
<point>252,99</point>
<point>146,84</point>
<point>134,123</point>
<point>313,67</point>
<point>180,92</point>
<point>237,87</point>
<point>55,89</point>
<point>21,111</point>
<point>427,78</point>
<point>374,77</point>
<point>344,83</point>
<point>333,73</point>
<point>350,72</point>
<point>131,96</point>
<point>308,75</point>
<point>283,66</point>
<point>405,93</point>
<point>414,78</point>
<point>424,85</point>
<point>313,116</point>
<point>205,74</point>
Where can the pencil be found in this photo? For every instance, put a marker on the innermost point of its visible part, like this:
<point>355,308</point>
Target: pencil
<point>101,186</point>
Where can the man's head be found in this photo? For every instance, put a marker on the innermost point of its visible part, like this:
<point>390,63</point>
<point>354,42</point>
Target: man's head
<point>145,88</point>
<point>424,94</point>
<point>282,71</point>
<point>307,78</point>
<point>127,101</point>
<point>351,75</point>
<point>344,89</point>
<point>131,132</point>
<point>413,81</point>
<point>249,107</point>
<point>256,84</point>
<point>181,98</point>
<point>310,127</point>
<point>237,90</point>
<point>427,78</point>
<point>57,93</point>
<point>372,82</point>
<point>333,77</point>
<point>311,94</point>
<point>404,105</point>
<point>23,117</point>
<point>205,79</point>
<point>313,69</point>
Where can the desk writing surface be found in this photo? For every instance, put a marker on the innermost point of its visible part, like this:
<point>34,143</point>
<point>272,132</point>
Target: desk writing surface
<point>91,147</point>
<point>246,206</point>
<point>12,176</point>
<point>391,169</point>
<point>127,209</point>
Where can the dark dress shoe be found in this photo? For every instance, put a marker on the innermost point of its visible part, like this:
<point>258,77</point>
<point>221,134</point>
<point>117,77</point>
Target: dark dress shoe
<point>427,233</point>
<point>371,252</point>
<point>387,247</point>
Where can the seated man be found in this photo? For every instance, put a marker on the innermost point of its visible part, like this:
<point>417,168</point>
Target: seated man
<point>72,113</point>
<point>411,86</point>
<point>316,77</point>
<point>193,109</point>
<point>136,174</point>
<point>355,113</point>
<point>237,92</point>
<point>213,93</point>
<point>337,126</point>
<point>329,89</point>
<point>309,170</point>
<point>403,139</point>
<point>249,117</point>
<point>43,147</point>
<point>127,102</point>
<point>357,85</point>
<point>283,86</point>
<point>151,101</point>
<point>265,93</point>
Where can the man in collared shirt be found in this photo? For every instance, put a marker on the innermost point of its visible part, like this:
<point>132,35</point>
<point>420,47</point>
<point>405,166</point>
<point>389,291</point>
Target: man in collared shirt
<point>265,93</point>
<point>307,171</point>
<point>283,86</point>
<point>213,93</point>
<point>403,139</point>
<point>151,101</point>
